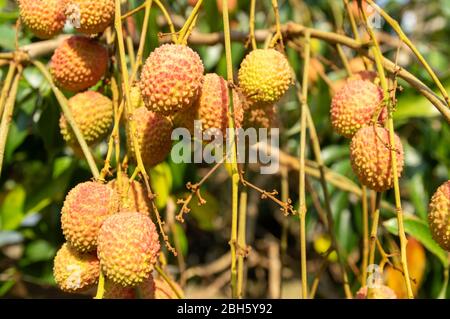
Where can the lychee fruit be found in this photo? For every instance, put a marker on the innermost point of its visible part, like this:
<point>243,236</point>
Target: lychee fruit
<point>171,79</point>
<point>128,248</point>
<point>379,292</point>
<point>439,216</point>
<point>153,134</point>
<point>211,108</point>
<point>370,157</point>
<point>136,98</point>
<point>45,18</point>
<point>85,208</point>
<point>145,290</point>
<point>134,197</point>
<point>164,291</point>
<point>354,105</point>
<point>75,271</point>
<point>91,16</point>
<point>93,114</point>
<point>265,75</point>
<point>78,63</point>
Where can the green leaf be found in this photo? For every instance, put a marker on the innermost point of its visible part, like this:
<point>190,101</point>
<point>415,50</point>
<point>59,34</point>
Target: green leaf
<point>419,229</point>
<point>39,250</point>
<point>206,213</point>
<point>180,235</point>
<point>161,182</point>
<point>11,211</point>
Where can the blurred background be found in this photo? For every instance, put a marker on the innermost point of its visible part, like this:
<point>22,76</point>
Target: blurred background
<point>39,168</point>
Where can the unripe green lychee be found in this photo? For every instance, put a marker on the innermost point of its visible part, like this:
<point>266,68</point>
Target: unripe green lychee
<point>354,105</point>
<point>379,292</point>
<point>265,75</point>
<point>153,134</point>
<point>135,97</point>
<point>370,156</point>
<point>78,63</point>
<point>91,16</point>
<point>45,18</point>
<point>128,248</point>
<point>171,79</point>
<point>211,108</point>
<point>93,114</point>
<point>134,197</point>
<point>164,291</point>
<point>75,271</point>
<point>145,290</point>
<point>85,208</point>
<point>439,216</point>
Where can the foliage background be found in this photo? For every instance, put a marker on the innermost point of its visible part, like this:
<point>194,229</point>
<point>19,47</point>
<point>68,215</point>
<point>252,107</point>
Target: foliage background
<point>39,169</point>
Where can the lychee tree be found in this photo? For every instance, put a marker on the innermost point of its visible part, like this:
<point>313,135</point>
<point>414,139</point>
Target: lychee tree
<point>93,90</point>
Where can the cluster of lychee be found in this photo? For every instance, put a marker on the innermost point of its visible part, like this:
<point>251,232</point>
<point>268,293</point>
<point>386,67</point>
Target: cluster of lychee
<point>358,112</point>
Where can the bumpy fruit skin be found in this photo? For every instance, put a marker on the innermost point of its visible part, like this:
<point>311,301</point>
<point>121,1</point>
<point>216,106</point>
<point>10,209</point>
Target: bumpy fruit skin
<point>354,105</point>
<point>75,271</point>
<point>381,292</point>
<point>265,75</point>
<point>136,98</point>
<point>91,16</point>
<point>171,79</point>
<point>164,291</point>
<point>136,200</point>
<point>85,209</point>
<point>93,113</point>
<point>116,291</point>
<point>45,18</point>
<point>439,216</point>
<point>153,134</point>
<point>370,157</point>
<point>211,108</point>
<point>128,248</point>
<point>78,63</point>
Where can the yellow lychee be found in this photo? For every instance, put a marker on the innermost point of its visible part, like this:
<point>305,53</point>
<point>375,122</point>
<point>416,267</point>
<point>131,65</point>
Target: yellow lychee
<point>91,16</point>
<point>439,216</point>
<point>265,75</point>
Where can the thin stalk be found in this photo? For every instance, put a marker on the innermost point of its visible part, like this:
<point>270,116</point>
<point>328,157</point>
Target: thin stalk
<point>394,24</point>
<point>140,52</point>
<point>168,281</point>
<point>130,49</point>
<point>187,25</point>
<point>168,19</point>
<point>302,174</point>
<point>7,85</point>
<point>68,115</point>
<point>365,252</point>
<point>252,37</point>
<point>390,122</point>
<point>352,20</point>
<point>241,242</point>
<point>234,166</point>
<point>100,286</point>
<point>285,223</point>
<point>7,116</point>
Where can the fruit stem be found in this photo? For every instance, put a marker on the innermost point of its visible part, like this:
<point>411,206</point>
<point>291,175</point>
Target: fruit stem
<point>7,115</point>
<point>302,174</point>
<point>365,250</point>
<point>68,115</point>
<point>130,121</point>
<point>148,6</point>
<point>233,154</point>
<point>241,241</point>
<point>100,286</point>
<point>168,281</point>
<point>278,35</point>
<point>7,85</point>
<point>252,37</point>
<point>394,24</point>
<point>390,122</point>
<point>185,30</point>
